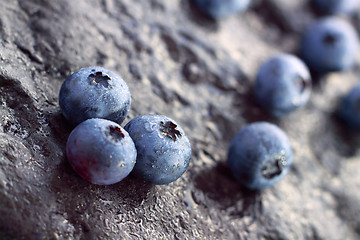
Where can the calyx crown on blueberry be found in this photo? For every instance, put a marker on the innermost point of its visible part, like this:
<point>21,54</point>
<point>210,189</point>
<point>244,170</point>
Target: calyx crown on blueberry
<point>271,169</point>
<point>99,78</point>
<point>330,39</point>
<point>115,132</point>
<point>169,129</point>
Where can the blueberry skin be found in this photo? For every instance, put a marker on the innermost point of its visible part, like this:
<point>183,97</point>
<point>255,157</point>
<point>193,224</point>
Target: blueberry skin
<point>283,84</point>
<point>329,44</point>
<point>221,8</point>
<point>163,149</point>
<point>347,7</point>
<point>101,151</point>
<point>350,109</point>
<point>94,92</point>
<point>260,155</point>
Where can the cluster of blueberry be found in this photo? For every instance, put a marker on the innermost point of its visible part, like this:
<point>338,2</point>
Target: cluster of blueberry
<point>96,101</point>
<point>260,154</point>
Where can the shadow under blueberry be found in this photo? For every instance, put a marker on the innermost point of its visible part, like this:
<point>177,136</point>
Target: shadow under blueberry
<point>272,15</point>
<point>332,141</point>
<point>130,189</point>
<point>218,185</point>
<point>251,110</point>
<point>60,128</point>
<point>315,10</point>
<point>347,136</point>
<point>317,78</point>
<point>197,16</point>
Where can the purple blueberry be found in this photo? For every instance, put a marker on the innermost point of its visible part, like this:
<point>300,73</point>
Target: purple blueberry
<point>94,92</point>
<point>221,8</point>
<point>329,44</point>
<point>163,150</point>
<point>283,84</point>
<point>260,155</point>
<point>350,108</point>
<point>347,7</point>
<point>101,151</point>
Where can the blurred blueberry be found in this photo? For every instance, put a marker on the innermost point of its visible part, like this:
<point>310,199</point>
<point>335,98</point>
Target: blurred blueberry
<point>330,44</point>
<point>260,155</point>
<point>221,8</point>
<point>94,92</point>
<point>283,84</point>
<point>350,108</point>
<point>101,151</point>
<point>163,149</point>
<point>346,7</point>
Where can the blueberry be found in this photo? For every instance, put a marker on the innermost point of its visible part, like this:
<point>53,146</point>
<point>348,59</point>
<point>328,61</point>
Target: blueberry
<point>101,151</point>
<point>260,155</point>
<point>350,108</point>
<point>221,8</point>
<point>163,149</point>
<point>283,84</point>
<point>347,7</point>
<point>329,44</point>
<point>94,92</point>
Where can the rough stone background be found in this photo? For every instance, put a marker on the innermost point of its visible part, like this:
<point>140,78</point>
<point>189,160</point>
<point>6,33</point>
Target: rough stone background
<point>179,63</point>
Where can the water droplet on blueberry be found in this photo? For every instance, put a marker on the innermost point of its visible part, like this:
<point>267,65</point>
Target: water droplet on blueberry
<point>149,127</point>
<point>121,164</point>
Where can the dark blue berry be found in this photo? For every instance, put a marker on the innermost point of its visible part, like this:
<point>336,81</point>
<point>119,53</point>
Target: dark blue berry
<point>101,151</point>
<point>163,149</point>
<point>329,44</point>
<point>347,7</point>
<point>221,8</point>
<point>283,84</point>
<point>94,92</point>
<point>260,155</point>
<point>350,108</point>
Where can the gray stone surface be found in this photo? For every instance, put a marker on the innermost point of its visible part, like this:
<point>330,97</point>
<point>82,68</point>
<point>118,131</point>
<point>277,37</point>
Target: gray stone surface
<point>199,72</point>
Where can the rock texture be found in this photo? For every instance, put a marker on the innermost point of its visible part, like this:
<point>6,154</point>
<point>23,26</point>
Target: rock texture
<point>199,72</point>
